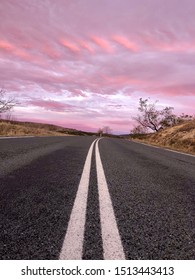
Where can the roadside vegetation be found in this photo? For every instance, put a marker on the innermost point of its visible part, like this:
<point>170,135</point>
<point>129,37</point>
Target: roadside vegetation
<point>164,128</point>
<point>17,128</point>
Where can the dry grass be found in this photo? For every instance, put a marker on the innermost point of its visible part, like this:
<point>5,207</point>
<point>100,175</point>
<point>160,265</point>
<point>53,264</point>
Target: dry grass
<point>180,137</point>
<point>11,128</point>
<point>17,128</point>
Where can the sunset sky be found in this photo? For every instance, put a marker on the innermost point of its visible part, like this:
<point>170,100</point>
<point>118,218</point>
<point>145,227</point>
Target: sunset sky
<point>84,64</point>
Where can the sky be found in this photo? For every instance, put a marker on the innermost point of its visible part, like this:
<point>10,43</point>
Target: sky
<point>84,64</point>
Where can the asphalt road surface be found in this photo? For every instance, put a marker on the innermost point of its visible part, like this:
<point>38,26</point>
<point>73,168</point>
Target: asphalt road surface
<point>85,198</point>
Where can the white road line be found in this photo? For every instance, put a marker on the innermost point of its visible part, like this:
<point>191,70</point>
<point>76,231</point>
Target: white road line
<point>162,148</point>
<point>15,137</point>
<point>112,245</point>
<point>73,242</point>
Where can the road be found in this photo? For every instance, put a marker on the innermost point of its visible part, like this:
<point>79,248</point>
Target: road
<point>85,198</point>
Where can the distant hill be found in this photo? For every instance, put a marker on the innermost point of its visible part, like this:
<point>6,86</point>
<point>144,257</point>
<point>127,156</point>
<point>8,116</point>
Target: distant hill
<point>180,137</point>
<point>17,128</point>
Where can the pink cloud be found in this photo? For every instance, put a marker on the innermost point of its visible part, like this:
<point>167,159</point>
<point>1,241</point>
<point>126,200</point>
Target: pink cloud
<point>119,122</point>
<point>20,53</point>
<point>177,90</point>
<point>50,51</point>
<point>70,45</point>
<point>4,45</point>
<point>175,46</point>
<point>121,40</point>
<point>94,59</point>
<point>86,45</point>
<point>11,49</point>
<point>52,105</point>
<point>102,43</point>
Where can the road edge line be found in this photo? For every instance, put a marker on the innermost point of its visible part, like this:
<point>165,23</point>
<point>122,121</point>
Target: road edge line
<point>162,148</point>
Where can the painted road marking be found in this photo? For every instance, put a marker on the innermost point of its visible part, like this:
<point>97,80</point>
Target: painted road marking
<point>72,248</point>
<point>15,137</point>
<point>162,148</point>
<point>73,242</point>
<point>112,245</point>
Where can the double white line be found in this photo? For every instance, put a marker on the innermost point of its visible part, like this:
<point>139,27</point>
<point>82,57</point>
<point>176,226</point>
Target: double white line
<point>72,248</point>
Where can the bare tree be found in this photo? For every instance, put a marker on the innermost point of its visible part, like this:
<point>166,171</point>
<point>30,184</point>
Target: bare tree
<point>9,116</point>
<point>185,117</point>
<point>6,104</point>
<point>153,118</point>
<point>100,132</point>
<point>107,130</point>
<point>139,129</point>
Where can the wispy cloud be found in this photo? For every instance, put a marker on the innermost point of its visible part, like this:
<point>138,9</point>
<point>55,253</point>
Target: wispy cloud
<point>90,61</point>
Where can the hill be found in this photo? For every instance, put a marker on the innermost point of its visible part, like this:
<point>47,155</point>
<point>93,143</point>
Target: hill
<point>180,137</point>
<point>17,128</point>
